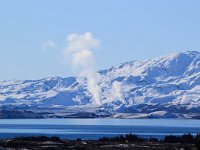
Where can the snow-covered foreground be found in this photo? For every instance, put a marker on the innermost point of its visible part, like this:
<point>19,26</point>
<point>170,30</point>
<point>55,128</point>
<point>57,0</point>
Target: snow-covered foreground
<point>165,87</point>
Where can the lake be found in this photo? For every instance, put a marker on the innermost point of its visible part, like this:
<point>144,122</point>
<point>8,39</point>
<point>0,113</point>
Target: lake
<point>96,128</point>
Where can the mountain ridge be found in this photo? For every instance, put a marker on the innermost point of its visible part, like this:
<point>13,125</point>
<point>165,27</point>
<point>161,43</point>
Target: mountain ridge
<point>163,87</point>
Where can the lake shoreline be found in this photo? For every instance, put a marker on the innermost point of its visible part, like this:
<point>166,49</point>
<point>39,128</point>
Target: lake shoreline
<point>96,128</point>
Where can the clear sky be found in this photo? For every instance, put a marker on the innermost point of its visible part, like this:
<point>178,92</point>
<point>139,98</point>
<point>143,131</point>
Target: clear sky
<point>33,32</point>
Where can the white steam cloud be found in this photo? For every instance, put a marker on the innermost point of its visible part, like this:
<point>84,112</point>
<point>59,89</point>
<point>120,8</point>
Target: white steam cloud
<point>117,90</point>
<point>79,49</point>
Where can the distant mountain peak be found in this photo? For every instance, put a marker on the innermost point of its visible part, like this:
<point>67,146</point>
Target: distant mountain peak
<point>170,84</point>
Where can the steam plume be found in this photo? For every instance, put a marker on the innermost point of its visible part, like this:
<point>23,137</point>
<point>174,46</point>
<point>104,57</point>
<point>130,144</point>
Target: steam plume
<point>117,91</point>
<point>79,49</point>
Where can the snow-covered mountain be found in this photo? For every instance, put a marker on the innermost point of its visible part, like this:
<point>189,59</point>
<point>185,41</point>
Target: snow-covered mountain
<point>165,87</point>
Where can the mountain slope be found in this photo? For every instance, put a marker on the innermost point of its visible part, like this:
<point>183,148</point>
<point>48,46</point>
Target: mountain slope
<point>168,86</point>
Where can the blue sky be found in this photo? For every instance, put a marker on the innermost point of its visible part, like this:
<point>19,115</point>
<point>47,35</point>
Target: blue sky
<point>128,30</point>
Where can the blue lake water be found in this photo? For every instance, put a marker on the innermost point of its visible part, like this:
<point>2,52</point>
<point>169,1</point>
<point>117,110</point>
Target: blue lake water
<point>96,128</point>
